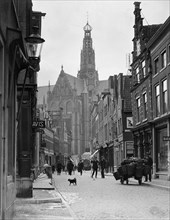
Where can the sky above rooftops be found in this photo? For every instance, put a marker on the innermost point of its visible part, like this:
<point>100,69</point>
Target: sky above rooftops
<point>112,33</point>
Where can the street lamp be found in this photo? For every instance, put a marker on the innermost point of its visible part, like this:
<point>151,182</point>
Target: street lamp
<point>28,155</point>
<point>34,45</point>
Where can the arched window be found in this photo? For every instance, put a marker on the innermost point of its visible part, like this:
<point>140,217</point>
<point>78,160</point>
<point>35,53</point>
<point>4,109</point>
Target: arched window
<point>69,107</point>
<point>79,107</point>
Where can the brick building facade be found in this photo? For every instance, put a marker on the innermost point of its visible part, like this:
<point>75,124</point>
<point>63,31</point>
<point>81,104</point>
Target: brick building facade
<point>150,91</point>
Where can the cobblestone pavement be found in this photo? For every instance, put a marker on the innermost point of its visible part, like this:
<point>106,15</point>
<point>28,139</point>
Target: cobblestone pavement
<point>94,199</point>
<point>107,199</point>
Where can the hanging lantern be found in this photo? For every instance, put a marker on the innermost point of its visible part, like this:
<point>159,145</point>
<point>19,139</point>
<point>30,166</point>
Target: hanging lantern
<point>34,46</point>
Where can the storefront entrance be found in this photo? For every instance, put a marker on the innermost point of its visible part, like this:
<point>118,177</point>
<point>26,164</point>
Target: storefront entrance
<point>161,150</point>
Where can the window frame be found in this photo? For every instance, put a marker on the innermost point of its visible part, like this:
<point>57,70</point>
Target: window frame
<point>157,100</point>
<point>144,97</point>
<point>143,68</point>
<point>164,96</point>
<point>163,59</point>
<point>156,67</point>
<point>137,74</point>
<point>138,101</point>
<point>168,60</point>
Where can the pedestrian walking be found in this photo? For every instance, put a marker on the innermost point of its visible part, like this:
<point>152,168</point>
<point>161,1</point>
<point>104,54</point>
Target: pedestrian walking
<point>80,167</point>
<point>53,168</point>
<point>70,167</point>
<point>59,167</point>
<point>95,163</point>
<point>102,166</point>
<point>148,164</point>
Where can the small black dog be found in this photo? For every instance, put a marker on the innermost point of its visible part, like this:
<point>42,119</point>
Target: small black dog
<point>73,181</point>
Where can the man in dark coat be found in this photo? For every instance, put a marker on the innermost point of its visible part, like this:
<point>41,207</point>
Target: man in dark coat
<point>102,166</point>
<point>80,167</point>
<point>53,168</point>
<point>95,163</point>
<point>148,163</point>
<point>70,166</point>
<point>59,167</point>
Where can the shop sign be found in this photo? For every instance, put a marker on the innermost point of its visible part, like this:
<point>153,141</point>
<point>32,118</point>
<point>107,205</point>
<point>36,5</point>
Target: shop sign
<point>38,124</point>
<point>166,138</point>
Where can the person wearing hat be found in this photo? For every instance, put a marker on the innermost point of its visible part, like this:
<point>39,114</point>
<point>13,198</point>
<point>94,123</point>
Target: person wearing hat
<point>148,163</point>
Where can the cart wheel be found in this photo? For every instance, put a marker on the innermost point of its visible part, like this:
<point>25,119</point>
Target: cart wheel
<point>121,180</point>
<point>127,181</point>
<point>140,181</point>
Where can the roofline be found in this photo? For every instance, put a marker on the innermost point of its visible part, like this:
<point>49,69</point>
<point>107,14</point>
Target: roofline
<point>159,32</point>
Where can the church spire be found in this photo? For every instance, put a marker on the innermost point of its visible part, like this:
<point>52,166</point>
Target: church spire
<point>87,63</point>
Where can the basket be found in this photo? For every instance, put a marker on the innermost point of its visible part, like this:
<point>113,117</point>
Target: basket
<point>116,175</point>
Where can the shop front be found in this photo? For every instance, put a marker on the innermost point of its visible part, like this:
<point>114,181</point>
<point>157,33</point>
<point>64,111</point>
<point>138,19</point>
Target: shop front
<point>161,149</point>
<point>162,142</point>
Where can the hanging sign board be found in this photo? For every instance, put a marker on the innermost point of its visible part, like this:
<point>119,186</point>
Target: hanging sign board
<point>38,124</point>
<point>166,138</point>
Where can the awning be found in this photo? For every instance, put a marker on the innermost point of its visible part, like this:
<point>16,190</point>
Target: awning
<point>94,153</point>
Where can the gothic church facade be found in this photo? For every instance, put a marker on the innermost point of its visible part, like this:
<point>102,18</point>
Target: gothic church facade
<point>74,96</point>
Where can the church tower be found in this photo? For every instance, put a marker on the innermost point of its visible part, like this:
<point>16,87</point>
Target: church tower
<point>87,62</point>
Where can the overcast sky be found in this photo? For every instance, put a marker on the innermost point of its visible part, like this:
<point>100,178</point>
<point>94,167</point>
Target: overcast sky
<point>112,22</point>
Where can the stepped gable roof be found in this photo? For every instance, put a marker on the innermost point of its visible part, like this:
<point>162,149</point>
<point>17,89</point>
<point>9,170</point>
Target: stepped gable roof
<point>42,93</point>
<point>150,30</point>
<point>75,83</point>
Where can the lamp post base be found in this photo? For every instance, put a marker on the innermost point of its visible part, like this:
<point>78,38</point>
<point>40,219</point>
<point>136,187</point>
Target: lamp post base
<point>24,187</point>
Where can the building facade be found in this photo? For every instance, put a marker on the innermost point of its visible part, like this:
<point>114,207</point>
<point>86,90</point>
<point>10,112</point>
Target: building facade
<point>150,96</point>
<point>111,120</point>
<point>16,112</point>
<point>159,47</point>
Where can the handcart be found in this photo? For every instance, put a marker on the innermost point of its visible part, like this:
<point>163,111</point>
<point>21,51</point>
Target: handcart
<point>132,167</point>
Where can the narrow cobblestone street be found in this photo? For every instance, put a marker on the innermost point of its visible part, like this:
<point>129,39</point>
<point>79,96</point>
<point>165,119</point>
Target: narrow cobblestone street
<point>95,199</point>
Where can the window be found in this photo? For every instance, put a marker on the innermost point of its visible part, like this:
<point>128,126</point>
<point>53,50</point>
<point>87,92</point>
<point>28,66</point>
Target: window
<point>144,105</point>
<point>138,109</point>
<point>143,68</point>
<point>69,107</point>
<point>105,110</point>
<point>163,59</point>
<point>138,47</point>
<point>164,96</point>
<point>137,75</point>
<point>157,99</point>
<point>156,65</point>
<point>105,129</point>
<point>119,126</point>
<point>168,53</point>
